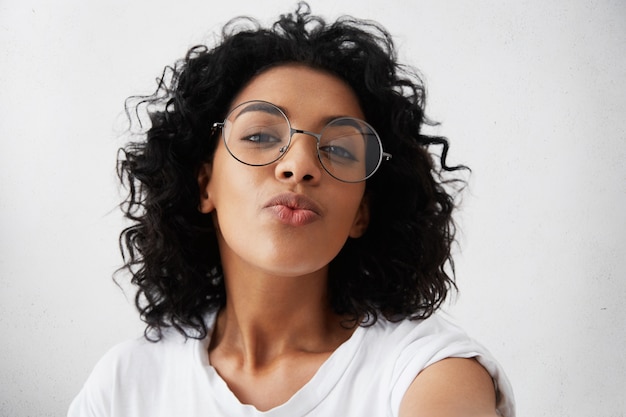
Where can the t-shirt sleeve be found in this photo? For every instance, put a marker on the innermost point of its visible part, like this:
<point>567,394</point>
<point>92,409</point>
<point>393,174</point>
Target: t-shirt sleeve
<point>436,339</point>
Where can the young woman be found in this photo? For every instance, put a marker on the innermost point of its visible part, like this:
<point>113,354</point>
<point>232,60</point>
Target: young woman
<point>291,239</point>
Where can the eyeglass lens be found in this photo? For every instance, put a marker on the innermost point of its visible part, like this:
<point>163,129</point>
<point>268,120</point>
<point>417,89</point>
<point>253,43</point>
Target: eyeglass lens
<point>258,133</point>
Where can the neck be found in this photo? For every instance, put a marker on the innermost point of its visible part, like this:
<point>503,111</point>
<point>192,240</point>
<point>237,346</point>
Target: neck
<point>267,317</point>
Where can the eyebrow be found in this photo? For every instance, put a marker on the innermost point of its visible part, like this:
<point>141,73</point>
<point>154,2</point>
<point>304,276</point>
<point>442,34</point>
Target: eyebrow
<point>343,119</point>
<point>261,106</point>
<point>347,121</point>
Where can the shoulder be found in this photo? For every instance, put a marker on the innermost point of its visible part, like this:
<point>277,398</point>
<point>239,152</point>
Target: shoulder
<point>140,353</point>
<point>413,346</point>
<point>406,347</point>
<point>128,372</point>
<point>432,338</point>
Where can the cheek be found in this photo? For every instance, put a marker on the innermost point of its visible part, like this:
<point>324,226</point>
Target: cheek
<point>349,207</point>
<point>235,191</point>
<point>230,180</point>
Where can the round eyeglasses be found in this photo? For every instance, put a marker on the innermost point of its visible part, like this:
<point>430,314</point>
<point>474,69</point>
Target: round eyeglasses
<point>259,133</point>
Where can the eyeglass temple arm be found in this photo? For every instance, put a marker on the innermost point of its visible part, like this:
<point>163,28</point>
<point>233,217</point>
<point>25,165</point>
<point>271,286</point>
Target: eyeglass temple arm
<point>386,156</point>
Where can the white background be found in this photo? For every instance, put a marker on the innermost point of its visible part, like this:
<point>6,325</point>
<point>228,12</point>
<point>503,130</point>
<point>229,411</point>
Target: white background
<point>532,95</point>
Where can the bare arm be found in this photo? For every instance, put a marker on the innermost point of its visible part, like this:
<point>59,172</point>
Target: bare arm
<point>453,387</point>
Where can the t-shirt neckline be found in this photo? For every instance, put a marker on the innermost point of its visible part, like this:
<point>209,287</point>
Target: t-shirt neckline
<point>303,401</point>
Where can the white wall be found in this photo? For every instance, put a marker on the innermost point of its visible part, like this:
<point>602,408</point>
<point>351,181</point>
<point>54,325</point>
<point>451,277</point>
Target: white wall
<point>532,95</point>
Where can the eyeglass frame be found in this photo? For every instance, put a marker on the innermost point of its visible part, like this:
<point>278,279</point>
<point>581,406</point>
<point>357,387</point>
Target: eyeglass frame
<point>283,150</point>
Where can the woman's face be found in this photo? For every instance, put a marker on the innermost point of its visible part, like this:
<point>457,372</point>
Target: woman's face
<point>291,217</point>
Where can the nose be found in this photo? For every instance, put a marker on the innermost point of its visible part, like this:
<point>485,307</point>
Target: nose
<point>300,163</point>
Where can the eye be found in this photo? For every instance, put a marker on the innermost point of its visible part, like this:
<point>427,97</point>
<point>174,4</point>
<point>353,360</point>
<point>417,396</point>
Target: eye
<point>258,137</point>
<point>337,152</point>
<point>261,138</point>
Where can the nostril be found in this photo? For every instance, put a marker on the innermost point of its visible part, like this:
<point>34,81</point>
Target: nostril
<point>307,177</point>
<point>287,174</point>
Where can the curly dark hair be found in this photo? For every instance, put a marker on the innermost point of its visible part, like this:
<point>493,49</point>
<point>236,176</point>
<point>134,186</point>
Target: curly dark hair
<point>402,266</point>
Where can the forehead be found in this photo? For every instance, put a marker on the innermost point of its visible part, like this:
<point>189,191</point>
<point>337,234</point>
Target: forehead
<point>300,89</point>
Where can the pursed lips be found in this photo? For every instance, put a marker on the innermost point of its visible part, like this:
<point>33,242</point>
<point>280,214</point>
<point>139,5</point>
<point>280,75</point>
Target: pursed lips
<point>294,209</point>
<point>294,202</point>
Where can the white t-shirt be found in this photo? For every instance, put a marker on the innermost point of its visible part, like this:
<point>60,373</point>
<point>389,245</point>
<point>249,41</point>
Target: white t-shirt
<point>366,376</point>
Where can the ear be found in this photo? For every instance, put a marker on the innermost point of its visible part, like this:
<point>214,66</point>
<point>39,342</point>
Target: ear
<point>204,176</point>
<point>361,220</point>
